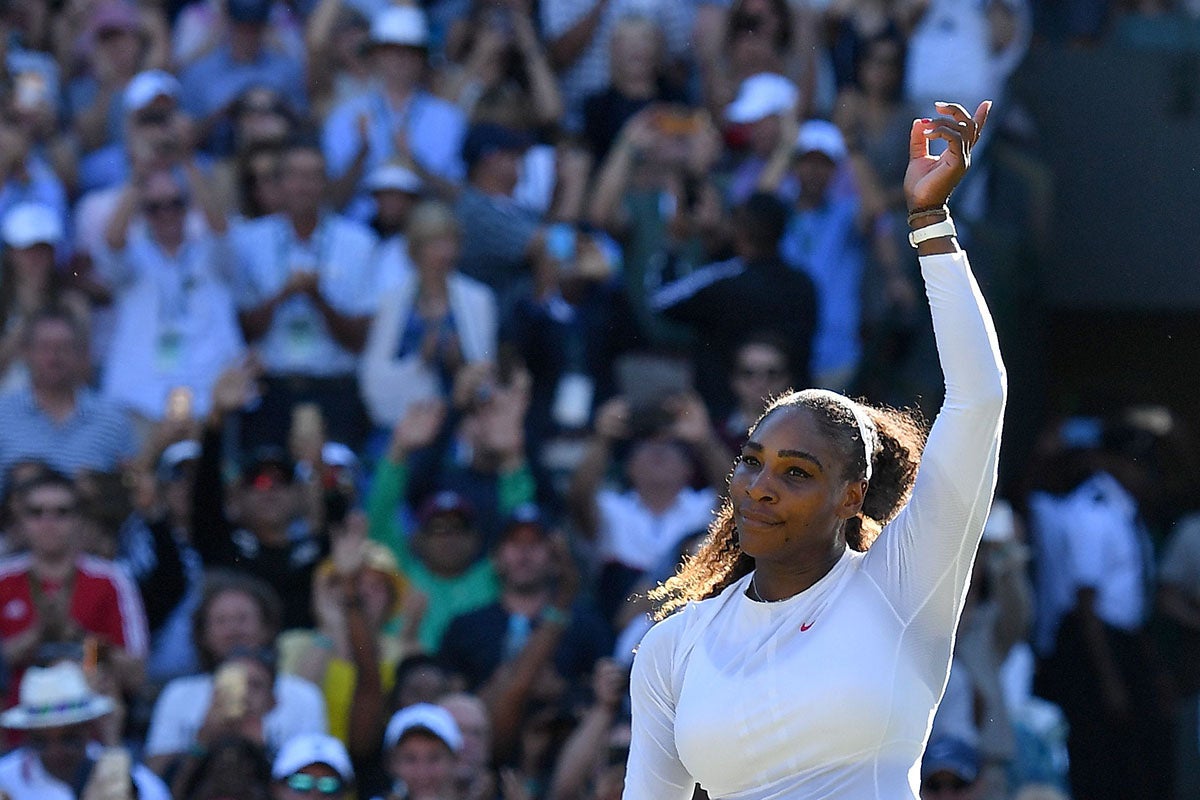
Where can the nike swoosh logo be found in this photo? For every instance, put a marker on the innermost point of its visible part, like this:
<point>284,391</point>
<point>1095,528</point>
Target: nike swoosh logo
<point>806,626</point>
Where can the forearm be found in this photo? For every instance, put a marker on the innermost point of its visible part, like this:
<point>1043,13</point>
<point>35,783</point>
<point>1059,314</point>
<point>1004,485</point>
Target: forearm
<point>257,321</point>
<point>91,124</point>
<point>507,693</point>
<point>610,186</point>
<point>580,754</point>
<point>581,496</point>
<point>347,330</point>
<point>566,49</point>
<point>543,86</point>
<point>117,231</point>
<point>19,650</point>
<point>1097,647</point>
<point>366,707</point>
<point>343,188</point>
<point>202,194</point>
<point>1179,607</point>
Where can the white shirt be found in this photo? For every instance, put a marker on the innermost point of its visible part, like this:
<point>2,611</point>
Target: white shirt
<point>180,709</point>
<point>635,536</point>
<point>341,252</point>
<point>829,694</point>
<point>175,322</point>
<point>22,777</point>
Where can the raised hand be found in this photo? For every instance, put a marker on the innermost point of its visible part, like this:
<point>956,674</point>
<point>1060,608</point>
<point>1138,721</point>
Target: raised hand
<point>417,428</point>
<point>692,423</point>
<point>612,419</point>
<point>930,179</point>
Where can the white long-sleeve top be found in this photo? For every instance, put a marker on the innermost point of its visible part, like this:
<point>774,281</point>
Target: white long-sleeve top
<point>829,695</point>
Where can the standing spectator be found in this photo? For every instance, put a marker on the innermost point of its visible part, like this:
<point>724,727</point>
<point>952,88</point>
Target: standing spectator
<point>397,118</point>
<point>636,528</point>
<point>432,323</point>
<point>30,281</point>
<point>247,58</point>
<point>765,110</point>
<point>261,123</point>
<point>57,419</point>
<point>56,594</point>
<point>176,327</point>
<point>396,191</point>
<point>335,39</point>
<point>61,759</point>
<point>475,777</point>
<point>306,294</point>
<point>756,276</point>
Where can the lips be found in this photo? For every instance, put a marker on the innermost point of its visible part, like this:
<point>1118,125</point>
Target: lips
<point>757,517</point>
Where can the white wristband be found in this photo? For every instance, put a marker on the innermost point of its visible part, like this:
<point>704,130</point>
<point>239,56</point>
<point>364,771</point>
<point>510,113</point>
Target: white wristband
<point>937,229</point>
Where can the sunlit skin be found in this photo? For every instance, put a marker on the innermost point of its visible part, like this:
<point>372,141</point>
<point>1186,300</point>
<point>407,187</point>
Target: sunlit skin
<point>790,501</point>
<point>233,619</point>
<point>425,763</point>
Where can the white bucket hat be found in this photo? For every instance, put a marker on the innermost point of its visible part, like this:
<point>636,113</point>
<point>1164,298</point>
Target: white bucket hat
<point>52,697</point>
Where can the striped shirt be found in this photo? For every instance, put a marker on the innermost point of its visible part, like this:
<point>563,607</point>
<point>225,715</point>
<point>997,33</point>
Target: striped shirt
<point>97,435</point>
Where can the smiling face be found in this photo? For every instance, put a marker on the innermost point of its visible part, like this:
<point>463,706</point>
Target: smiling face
<point>789,489</point>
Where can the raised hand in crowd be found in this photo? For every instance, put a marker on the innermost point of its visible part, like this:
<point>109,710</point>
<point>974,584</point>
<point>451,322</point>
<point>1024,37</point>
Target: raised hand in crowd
<point>235,389</point>
<point>417,429</point>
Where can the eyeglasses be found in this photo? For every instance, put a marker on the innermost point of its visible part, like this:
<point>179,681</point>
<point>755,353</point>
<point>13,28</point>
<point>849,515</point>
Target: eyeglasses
<point>57,512</point>
<point>160,206</point>
<point>948,783</point>
<point>303,782</point>
<point>770,373</point>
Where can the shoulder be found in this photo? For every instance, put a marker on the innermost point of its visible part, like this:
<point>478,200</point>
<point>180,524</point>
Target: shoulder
<point>296,691</point>
<point>98,570</point>
<point>350,233</point>
<point>470,288</point>
<point>184,692</point>
<point>12,567</point>
<point>698,281</point>
<point>447,111</point>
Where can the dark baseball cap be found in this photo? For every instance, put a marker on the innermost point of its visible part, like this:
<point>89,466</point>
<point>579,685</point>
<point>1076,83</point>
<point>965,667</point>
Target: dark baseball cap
<point>254,12</point>
<point>446,502</point>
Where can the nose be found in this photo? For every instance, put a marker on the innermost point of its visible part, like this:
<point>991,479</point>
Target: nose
<point>761,488</point>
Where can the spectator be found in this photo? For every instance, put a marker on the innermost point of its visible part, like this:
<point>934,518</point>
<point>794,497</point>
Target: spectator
<point>236,621</point>
<point>25,176</point>
<point>948,770</point>
<point>256,173</point>
<point>261,123</point>
<point>433,322</point>
<point>313,761</point>
<point>397,119</point>
<point>57,419</point>
<point>419,749</point>
<point>826,238</point>
<point>761,371</point>
<point>306,295</point>
<point>234,768</point>
<point>336,38</point>
<point>212,83</point>
<point>55,594</point>
<point>853,26</point>
<point>396,191</point>
<point>765,109</point>
<point>474,775</point>
<point>587,756</point>
<point>33,238</point>
<point>61,759</point>
<point>176,327</point>
<point>757,276</point>
<point>636,528</point>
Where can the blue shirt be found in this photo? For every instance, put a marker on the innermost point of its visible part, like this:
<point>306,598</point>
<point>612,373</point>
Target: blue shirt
<point>215,80</point>
<point>825,243</point>
<point>96,436</point>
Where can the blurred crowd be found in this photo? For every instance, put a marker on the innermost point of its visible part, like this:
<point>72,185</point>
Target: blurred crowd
<point>363,364</point>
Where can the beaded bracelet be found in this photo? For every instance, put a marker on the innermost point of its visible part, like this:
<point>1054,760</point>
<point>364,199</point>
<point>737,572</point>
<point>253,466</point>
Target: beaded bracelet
<point>918,213</point>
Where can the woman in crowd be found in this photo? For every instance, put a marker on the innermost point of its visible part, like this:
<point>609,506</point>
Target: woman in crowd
<point>735,691</point>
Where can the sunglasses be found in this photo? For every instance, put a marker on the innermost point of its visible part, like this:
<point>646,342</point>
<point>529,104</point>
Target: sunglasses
<point>159,206</point>
<point>303,782</point>
<point>57,512</point>
<point>948,783</point>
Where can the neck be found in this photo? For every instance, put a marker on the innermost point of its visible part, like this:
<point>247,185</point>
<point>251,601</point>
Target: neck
<point>53,567</point>
<point>304,222</point>
<point>779,580</point>
<point>171,243</point>
<point>526,601</point>
<point>658,500</point>
<point>431,287</point>
<point>397,92</point>
<point>56,401</point>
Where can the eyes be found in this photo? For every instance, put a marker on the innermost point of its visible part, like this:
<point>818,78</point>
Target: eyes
<point>754,462</point>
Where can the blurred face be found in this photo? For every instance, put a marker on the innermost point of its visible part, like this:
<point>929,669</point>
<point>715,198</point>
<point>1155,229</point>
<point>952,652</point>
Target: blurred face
<point>504,169</point>
<point>303,181</point>
<point>393,207</point>
<point>764,135</point>
<point>33,265</point>
<point>815,171</point>
<point>422,685</point>
<point>788,492</point>
<point>399,67</point>
<point>760,372</point>
<point>424,763</point>
<point>436,258</point>
<point>177,494</point>
<point>54,355</point>
<point>233,620</point>
<point>523,559</point>
<point>879,73</point>
<point>658,466</point>
<point>448,544</point>
<point>119,47</point>
<point>375,589</point>
<point>61,750</point>
<point>261,118</point>
<point>263,176</point>
<point>49,521</point>
<point>634,53</point>
<point>472,720</point>
<point>315,780</point>
<point>945,785</point>
<point>165,208</point>
<point>15,140</point>
<point>269,500</point>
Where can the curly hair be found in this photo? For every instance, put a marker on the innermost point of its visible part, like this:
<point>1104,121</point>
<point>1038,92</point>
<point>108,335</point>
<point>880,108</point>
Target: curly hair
<point>895,439</point>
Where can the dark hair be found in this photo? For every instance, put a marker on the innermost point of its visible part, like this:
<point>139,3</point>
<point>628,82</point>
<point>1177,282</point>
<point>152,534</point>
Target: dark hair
<point>50,478</point>
<point>741,21</point>
<point>301,140</point>
<point>247,203</point>
<point>888,36</point>
<point>896,439</point>
<point>762,218</point>
<point>216,770</point>
<point>55,287</point>
<point>220,581</point>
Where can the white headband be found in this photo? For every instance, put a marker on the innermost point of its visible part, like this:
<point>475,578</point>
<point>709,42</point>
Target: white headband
<point>865,426</point>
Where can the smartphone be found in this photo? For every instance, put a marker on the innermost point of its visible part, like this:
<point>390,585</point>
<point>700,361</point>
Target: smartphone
<point>180,401</point>
<point>231,684</point>
<point>112,776</point>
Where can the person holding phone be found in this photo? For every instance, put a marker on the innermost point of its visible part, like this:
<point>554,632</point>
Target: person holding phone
<point>814,628</point>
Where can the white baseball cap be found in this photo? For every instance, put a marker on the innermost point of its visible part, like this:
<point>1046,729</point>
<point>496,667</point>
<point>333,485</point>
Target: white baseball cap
<point>393,177</point>
<point>148,86</point>
<point>312,748</point>
<point>819,136</point>
<point>427,717</point>
<point>404,26</point>
<point>27,224</point>
<point>760,96</point>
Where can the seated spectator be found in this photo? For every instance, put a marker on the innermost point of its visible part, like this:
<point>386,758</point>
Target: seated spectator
<point>336,36</point>
<point>474,776</point>
<point>61,758</point>
<point>764,109</point>
<point>784,299</point>
<point>636,528</point>
<point>434,321</point>
<point>59,420</point>
<point>272,537</point>
<point>234,768</point>
<point>306,293</point>
<point>495,45</point>
<point>56,594</point>
<point>637,80</point>
<point>948,769</point>
<point>246,58</point>
<point>419,748</point>
<point>256,176</point>
<point>826,238</point>
<point>261,121</point>
<point>176,328</point>
<point>237,621</point>
<point>397,119</point>
<point>313,762</point>
<point>396,191</point>
<point>29,282</point>
<point>761,371</point>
